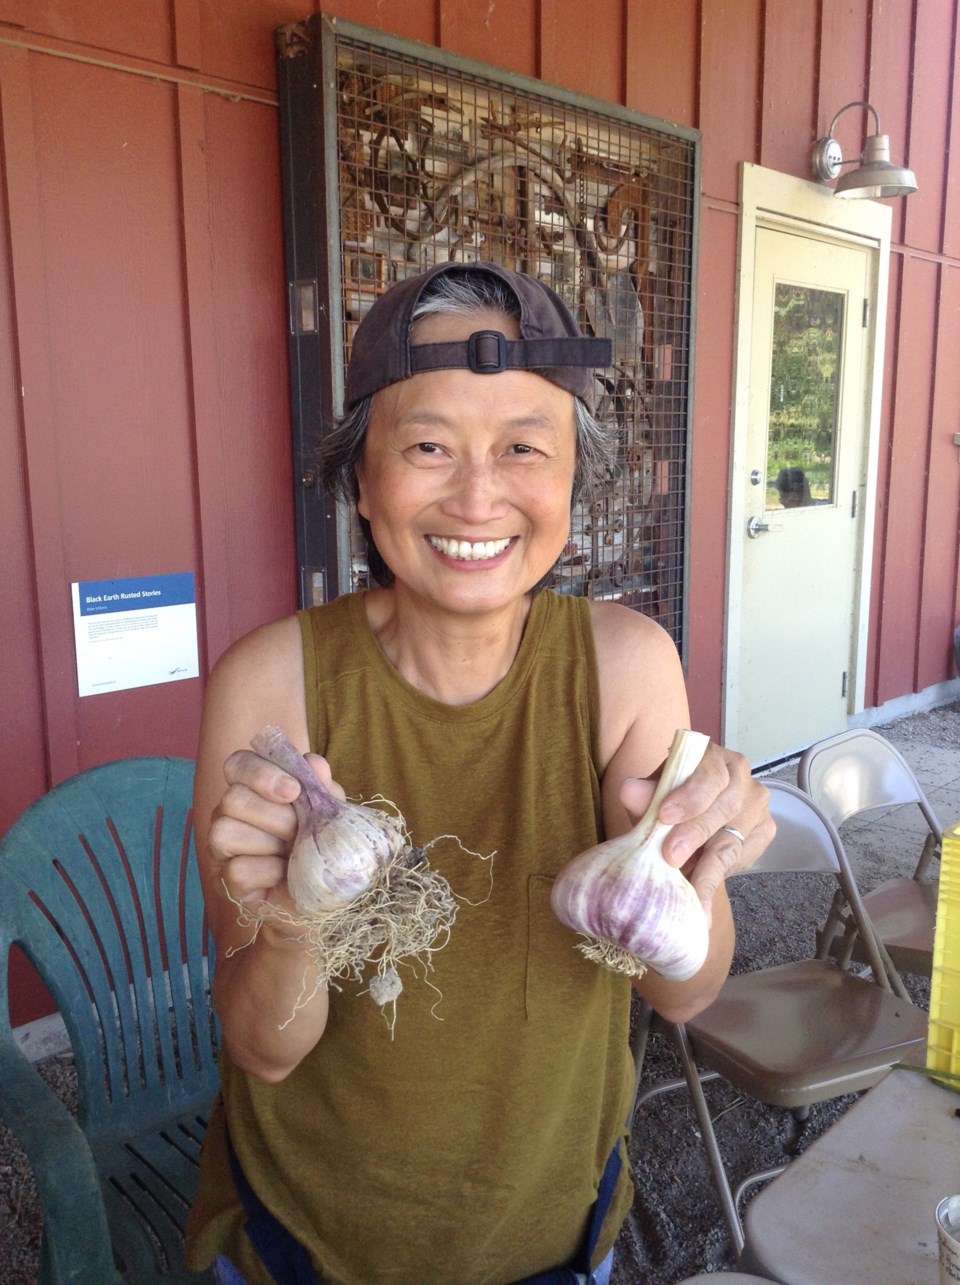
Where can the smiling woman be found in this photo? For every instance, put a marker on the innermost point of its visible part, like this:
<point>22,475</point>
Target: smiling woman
<point>466,297</point>
<point>484,1142</point>
<point>465,482</point>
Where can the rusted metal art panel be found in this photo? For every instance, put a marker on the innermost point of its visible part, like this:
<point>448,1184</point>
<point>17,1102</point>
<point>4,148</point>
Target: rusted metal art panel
<point>433,160</point>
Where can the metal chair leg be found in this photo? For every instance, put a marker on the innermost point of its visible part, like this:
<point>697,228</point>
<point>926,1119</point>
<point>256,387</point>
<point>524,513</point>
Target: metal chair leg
<point>720,1181</point>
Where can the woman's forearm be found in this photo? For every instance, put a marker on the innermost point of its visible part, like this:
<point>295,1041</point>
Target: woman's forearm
<point>680,1001</point>
<point>257,991</point>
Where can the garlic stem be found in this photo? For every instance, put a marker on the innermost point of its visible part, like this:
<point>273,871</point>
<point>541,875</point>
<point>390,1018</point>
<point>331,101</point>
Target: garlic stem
<point>272,743</point>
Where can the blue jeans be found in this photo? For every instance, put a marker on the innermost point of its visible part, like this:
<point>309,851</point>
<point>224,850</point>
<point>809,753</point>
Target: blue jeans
<point>224,1272</point>
<point>601,1275</point>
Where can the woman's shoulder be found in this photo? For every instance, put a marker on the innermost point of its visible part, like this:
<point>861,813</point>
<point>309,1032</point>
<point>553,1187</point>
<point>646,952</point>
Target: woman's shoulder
<point>257,681</point>
<point>622,635</point>
<point>268,645</point>
<point>261,670</point>
<point>642,693</point>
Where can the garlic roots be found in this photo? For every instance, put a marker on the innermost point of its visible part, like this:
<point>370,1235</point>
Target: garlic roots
<point>635,910</point>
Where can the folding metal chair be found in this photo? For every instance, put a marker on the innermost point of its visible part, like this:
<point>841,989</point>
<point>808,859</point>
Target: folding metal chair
<point>796,1033</point>
<point>856,772</point>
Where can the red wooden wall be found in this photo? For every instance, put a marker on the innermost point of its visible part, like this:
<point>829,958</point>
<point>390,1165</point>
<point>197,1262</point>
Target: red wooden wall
<point>144,422</point>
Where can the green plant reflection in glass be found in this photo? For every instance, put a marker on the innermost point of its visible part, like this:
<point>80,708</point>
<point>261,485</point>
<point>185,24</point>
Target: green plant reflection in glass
<point>804,396</point>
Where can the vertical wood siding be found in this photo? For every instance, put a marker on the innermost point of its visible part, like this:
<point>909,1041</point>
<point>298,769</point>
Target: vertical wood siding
<point>144,416</point>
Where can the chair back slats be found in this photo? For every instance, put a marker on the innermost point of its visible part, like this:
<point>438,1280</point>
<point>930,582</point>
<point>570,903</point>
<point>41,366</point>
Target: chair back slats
<point>185,938</point>
<point>110,915</point>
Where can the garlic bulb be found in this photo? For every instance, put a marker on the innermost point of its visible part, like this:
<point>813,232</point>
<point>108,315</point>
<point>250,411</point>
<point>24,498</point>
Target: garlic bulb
<point>362,895</point>
<point>637,911</point>
<point>340,847</point>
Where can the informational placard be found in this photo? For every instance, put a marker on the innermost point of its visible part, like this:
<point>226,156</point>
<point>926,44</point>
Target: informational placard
<point>134,633</point>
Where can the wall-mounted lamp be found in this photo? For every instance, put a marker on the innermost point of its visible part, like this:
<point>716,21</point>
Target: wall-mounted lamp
<point>874,176</point>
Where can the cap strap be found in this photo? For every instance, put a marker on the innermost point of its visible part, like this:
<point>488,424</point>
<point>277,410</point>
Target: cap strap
<point>487,352</point>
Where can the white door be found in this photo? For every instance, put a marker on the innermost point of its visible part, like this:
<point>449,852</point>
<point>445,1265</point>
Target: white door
<point>803,479</point>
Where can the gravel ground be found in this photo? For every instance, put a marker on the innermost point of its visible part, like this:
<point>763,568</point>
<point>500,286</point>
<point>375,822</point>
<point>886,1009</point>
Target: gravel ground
<point>676,1229</point>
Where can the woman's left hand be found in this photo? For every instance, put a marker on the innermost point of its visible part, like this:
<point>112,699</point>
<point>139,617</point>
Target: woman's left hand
<point>709,813</point>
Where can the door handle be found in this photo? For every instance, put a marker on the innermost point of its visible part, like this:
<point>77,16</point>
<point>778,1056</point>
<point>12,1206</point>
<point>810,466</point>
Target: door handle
<point>756,528</point>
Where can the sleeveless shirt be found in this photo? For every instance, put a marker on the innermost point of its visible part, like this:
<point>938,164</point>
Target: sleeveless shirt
<point>467,1148</point>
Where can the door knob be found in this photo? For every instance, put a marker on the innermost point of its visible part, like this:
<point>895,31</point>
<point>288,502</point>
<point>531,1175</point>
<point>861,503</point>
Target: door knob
<point>757,528</point>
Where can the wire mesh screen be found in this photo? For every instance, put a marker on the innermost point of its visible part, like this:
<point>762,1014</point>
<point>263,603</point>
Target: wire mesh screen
<point>435,163</point>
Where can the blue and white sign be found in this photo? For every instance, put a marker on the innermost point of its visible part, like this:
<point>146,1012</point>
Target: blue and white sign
<point>135,632</point>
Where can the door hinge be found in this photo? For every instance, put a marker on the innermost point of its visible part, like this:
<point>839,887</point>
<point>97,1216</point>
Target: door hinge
<point>844,683</point>
<point>866,313</point>
<point>853,503</point>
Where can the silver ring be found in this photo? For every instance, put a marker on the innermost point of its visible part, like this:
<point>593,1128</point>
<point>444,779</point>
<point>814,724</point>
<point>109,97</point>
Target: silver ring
<point>732,829</point>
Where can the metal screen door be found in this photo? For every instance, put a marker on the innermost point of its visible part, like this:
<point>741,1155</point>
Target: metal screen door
<point>397,157</point>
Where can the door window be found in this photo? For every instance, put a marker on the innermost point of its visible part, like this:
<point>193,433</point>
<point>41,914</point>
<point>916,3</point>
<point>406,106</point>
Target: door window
<point>804,396</point>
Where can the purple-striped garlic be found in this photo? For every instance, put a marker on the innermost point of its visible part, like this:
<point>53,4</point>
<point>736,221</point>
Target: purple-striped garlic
<point>340,846</point>
<point>363,897</point>
<point>636,911</point>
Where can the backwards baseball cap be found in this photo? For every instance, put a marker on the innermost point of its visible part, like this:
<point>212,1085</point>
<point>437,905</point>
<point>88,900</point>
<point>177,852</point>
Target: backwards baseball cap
<point>551,342</point>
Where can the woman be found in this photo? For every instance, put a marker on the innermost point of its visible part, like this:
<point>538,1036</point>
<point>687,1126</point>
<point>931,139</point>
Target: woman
<point>484,1141</point>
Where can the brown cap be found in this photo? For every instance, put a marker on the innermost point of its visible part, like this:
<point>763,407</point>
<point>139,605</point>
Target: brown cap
<point>551,343</point>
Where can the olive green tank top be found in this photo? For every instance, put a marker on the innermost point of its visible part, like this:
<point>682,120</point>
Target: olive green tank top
<point>467,1148</point>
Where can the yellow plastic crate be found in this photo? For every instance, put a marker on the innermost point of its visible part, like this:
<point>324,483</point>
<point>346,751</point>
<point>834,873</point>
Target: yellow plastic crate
<point>943,1039</point>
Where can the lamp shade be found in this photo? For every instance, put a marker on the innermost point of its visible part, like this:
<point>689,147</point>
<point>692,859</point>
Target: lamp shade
<point>876,177</point>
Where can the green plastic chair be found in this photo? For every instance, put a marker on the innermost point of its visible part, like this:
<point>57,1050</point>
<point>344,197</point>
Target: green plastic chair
<point>99,889</point>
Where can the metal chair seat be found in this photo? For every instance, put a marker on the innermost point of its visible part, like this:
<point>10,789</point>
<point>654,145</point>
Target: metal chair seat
<point>797,1033</point>
<point>903,913</point>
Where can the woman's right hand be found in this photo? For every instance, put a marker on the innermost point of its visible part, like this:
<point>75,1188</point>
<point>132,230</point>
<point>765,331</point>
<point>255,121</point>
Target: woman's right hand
<point>253,827</point>
<point>245,824</point>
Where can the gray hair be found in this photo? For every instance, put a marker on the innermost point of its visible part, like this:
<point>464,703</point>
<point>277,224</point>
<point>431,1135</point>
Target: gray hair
<point>457,296</point>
